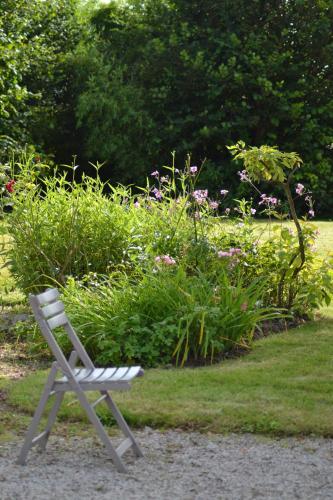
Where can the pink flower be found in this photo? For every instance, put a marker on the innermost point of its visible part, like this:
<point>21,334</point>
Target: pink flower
<point>157,193</point>
<point>235,251</point>
<point>214,205</point>
<point>243,176</point>
<point>224,192</point>
<point>193,170</point>
<point>311,213</point>
<point>169,261</point>
<point>268,200</point>
<point>221,254</point>
<point>136,204</point>
<point>200,195</point>
<point>165,259</point>
<point>155,174</point>
<point>244,306</point>
<point>299,189</point>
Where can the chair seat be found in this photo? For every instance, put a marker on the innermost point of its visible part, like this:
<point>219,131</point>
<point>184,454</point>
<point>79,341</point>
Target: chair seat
<point>100,378</point>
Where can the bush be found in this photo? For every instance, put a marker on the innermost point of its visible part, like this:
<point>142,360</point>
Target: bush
<point>198,74</point>
<point>64,229</point>
<point>169,314</point>
<point>168,274</point>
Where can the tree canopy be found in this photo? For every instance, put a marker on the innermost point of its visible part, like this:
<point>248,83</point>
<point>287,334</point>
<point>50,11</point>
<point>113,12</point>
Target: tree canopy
<point>195,76</point>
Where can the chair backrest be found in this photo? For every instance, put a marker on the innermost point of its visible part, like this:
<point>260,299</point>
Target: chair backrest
<point>50,313</point>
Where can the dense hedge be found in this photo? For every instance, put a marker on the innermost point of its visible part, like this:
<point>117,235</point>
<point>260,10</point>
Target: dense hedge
<point>36,42</point>
<point>150,77</point>
<point>196,75</point>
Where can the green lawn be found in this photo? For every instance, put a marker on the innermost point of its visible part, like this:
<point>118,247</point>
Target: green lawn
<point>283,387</point>
<point>325,238</point>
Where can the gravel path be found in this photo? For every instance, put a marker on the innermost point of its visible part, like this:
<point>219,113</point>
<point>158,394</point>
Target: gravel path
<point>176,465</point>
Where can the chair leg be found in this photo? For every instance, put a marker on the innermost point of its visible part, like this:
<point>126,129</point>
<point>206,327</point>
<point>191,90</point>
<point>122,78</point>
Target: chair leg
<point>55,408</point>
<point>28,442</point>
<point>50,421</point>
<point>100,430</point>
<point>122,423</point>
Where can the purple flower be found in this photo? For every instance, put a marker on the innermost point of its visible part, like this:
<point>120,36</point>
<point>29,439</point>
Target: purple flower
<point>165,259</point>
<point>214,205</point>
<point>243,176</point>
<point>253,211</point>
<point>193,170</point>
<point>235,251</point>
<point>299,189</point>
<point>222,254</point>
<point>311,213</point>
<point>224,192</point>
<point>268,200</point>
<point>200,195</point>
<point>155,174</point>
<point>136,204</point>
<point>157,193</point>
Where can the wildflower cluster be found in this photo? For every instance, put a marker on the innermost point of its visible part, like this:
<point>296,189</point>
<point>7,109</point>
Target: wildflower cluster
<point>268,200</point>
<point>230,253</point>
<point>165,259</point>
<point>200,196</point>
<point>301,191</point>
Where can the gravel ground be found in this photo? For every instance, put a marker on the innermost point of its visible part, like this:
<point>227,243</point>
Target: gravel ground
<point>176,465</point>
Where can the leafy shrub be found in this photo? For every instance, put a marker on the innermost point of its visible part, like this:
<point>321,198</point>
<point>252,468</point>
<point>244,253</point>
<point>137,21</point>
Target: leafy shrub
<point>167,274</point>
<point>198,73</point>
<point>66,228</point>
<point>167,314</point>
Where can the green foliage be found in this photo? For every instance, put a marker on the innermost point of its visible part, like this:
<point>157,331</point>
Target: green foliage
<point>165,313</point>
<point>158,276</point>
<point>36,38</point>
<point>282,388</point>
<point>266,163</point>
<point>66,228</point>
<point>196,75</point>
<point>119,109</point>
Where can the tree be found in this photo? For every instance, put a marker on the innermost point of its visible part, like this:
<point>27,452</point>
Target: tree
<point>198,75</point>
<point>36,39</point>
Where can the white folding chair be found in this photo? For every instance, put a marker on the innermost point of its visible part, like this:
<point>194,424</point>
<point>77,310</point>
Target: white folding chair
<point>49,313</point>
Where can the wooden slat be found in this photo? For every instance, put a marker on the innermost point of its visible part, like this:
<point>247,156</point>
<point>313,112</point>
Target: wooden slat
<point>127,443</point>
<point>99,375</point>
<point>38,438</point>
<point>134,371</point>
<point>93,386</point>
<point>46,297</point>
<point>53,309</point>
<point>96,375</point>
<point>99,400</point>
<point>119,374</point>
<point>106,375</point>
<point>59,320</point>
